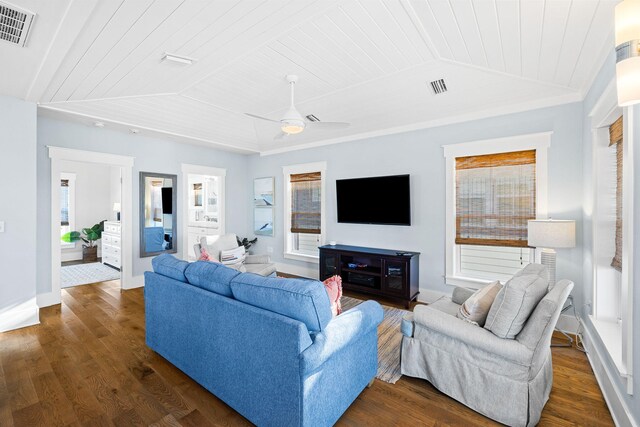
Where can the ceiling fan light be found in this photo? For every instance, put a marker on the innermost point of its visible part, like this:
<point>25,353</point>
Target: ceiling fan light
<point>627,35</point>
<point>292,127</point>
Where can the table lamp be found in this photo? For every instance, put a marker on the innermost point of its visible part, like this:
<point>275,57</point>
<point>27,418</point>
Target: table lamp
<point>551,234</point>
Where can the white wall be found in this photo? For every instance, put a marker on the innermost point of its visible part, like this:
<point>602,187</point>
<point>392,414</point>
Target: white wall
<point>18,211</point>
<point>93,200</point>
<point>115,191</point>
<point>420,154</point>
<point>151,155</point>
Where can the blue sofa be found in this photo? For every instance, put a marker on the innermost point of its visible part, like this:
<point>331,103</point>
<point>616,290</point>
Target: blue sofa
<point>268,347</point>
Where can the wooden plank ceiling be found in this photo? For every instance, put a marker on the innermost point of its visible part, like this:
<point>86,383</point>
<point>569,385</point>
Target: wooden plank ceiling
<point>367,62</point>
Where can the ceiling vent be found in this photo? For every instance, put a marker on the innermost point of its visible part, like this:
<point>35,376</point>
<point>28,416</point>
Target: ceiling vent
<point>14,24</point>
<point>438,86</point>
<point>312,118</point>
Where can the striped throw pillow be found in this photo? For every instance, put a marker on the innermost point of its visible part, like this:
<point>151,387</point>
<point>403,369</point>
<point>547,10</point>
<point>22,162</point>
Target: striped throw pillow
<point>232,256</point>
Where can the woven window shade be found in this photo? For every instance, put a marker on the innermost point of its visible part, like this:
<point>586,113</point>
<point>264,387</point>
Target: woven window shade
<point>495,197</point>
<point>615,138</point>
<point>64,202</point>
<point>305,203</point>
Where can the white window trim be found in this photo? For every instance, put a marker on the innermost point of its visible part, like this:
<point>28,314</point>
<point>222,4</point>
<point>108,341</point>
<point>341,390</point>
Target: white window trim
<point>620,346</point>
<point>537,141</point>
<point>287,172</point>
<point>72,206</point>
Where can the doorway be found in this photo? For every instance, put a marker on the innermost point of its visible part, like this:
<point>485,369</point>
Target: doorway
<point>90,232</point>
<point>124,165</point>
<point>203,205</point>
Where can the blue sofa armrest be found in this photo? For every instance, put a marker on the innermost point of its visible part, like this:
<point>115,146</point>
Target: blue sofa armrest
<point>340,333</point>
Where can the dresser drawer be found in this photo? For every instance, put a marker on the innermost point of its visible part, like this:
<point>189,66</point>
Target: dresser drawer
<point>110,250</point>
<point>112,228</point>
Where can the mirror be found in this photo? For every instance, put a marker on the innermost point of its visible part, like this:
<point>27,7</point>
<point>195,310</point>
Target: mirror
<point>158,224</point>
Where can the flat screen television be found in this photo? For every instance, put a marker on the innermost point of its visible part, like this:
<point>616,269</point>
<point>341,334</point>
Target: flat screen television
<point>376,200</point>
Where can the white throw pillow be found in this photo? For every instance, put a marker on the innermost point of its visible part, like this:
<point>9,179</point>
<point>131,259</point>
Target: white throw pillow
<point>476,308</point>
<point>232,256</point>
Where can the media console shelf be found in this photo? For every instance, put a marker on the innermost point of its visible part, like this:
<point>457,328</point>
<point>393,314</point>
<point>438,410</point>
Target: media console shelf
<point>373,271</point>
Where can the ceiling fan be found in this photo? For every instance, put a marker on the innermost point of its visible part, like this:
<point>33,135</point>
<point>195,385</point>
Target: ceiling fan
<point>292,122</point>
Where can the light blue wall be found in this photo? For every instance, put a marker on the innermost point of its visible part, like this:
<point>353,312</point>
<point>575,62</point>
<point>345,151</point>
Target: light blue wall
<point>151,155</point>
<point>420,154</point>
<point>17,201</point>
<point>606,75</point>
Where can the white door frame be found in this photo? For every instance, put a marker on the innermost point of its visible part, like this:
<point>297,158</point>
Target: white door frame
<point>188,169</point>
<point>59,154</point>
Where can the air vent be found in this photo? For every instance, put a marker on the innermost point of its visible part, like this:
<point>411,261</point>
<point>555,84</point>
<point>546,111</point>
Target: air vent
<point>14,24</point>
<point>312,118</point>
<point>438,86</point>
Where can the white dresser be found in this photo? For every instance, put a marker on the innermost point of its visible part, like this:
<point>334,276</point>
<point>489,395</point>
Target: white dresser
<point>112,244</point>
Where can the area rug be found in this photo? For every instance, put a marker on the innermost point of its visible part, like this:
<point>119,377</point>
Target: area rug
<point>389,340</point>
<point>82,274</point>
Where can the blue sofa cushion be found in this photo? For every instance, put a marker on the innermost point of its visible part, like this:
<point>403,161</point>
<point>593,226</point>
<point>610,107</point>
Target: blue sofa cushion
<point>300,299</point>
<point>170,266</point>
<point>211,276</point>
<point>153,239</point>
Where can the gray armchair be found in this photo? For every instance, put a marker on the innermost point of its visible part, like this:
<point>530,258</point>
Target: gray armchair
<point>258,264</point>
<point>508,380</point>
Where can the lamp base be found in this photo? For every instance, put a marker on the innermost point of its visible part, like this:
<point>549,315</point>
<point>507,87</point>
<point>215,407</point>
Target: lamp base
<point>548,259</point>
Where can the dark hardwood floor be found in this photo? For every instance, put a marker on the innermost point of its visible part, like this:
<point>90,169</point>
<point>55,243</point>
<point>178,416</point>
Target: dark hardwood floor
<point>87,364</point>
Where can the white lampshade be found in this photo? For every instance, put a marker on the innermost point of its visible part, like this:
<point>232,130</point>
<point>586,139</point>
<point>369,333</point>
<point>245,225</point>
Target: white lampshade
<point>627,29</point>
<point>552,233</point>
<point>116,207</point>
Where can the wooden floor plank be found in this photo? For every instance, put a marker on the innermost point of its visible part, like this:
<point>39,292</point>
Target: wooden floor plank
<point>87,364</point>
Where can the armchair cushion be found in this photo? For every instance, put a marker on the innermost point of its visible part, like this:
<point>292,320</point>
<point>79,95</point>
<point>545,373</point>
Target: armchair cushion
<point>459,332</point>
<point>257,259</point>
<point>216,244</point>
<point>515,303</point>
<point>476,308</point>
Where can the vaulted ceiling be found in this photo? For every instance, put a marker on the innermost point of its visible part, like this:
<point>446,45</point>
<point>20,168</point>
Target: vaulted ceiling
<point>367,62</point>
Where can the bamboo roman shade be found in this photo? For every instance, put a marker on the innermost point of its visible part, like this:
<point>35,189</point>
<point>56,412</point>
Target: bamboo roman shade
<point>305,202</point>
<point>615,138</point>
<point>64,202</point>
<point>495,197</point>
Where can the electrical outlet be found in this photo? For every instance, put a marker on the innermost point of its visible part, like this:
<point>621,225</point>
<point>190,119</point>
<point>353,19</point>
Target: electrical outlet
<point>1,226</point>
<point>269,249</point>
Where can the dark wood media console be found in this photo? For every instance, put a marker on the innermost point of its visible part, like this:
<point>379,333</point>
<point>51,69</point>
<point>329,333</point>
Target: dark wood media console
<point>373,271</point>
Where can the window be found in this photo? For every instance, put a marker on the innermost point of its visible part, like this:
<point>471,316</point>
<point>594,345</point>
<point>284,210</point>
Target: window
<point>611,277</point>
<point>493,189</point>
<point>304,210</point>
<point>615,139</point>
<point>67,205</point>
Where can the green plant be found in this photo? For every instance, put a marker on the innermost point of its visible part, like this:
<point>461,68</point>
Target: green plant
<point>88,235</point>
<point>246,242</point>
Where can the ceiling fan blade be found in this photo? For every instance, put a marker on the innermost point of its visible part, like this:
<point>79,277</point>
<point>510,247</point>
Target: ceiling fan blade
<point>261,118</point>
<point>328,125</point>
<point>280,136</point>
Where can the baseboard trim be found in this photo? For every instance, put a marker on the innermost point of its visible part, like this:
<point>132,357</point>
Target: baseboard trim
<point>311,273</point>
<point>48,299</point>
<point>616,403</point>
<point>136,282</point>
<point>20,316</point>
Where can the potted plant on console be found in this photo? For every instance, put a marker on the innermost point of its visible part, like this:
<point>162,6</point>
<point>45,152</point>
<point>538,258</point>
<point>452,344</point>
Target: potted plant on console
<point>89,236</point>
